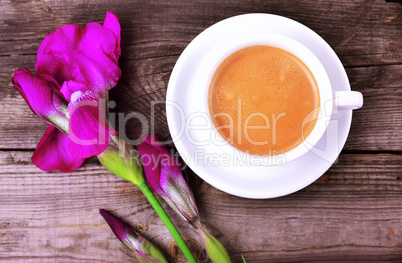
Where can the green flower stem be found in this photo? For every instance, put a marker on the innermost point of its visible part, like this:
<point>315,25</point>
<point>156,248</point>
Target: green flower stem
<point>166,220</point>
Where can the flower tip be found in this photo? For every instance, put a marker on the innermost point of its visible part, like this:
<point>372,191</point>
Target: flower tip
<point>102,211</point>
<point>20,71</point>
<point>18,75</point>
<point>121,229</point>
<point>110,220</point>
<point>112,23</point>
<point>108,217</point>
<point>111,15</point>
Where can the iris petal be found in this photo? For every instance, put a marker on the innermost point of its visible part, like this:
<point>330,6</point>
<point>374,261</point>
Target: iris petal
<point>89,132</point>
<point>112,22</point>
<point>71,86</point>
<point>42,96</point>
<point>150,161</point>
<point>88,55</point>
<point>52,153</point>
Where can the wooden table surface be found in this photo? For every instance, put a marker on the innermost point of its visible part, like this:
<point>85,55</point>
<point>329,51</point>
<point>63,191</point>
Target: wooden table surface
<point>352,213</point>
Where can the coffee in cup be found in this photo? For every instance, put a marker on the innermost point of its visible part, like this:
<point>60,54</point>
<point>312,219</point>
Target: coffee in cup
<point>274,124</point>
<point>263,100</point>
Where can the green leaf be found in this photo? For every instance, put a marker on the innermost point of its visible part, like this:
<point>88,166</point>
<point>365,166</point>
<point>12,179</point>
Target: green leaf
<point>215,250</point>
<point>152,250</point>
<point>123,161</point>
<point>244,261</point>
<point>146,259</point>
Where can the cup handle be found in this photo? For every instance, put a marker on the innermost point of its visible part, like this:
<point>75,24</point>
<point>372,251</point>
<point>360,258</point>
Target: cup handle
<point>348,100</point>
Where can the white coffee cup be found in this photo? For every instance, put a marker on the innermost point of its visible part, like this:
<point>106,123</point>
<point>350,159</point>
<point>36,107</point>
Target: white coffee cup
<point>330,101</point>
<point>191,127</point>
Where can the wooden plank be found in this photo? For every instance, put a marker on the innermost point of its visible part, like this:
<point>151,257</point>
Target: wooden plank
<point>352,213</point>
<point>375,127</point>
<point>379,121</point>
<point>361,32</point>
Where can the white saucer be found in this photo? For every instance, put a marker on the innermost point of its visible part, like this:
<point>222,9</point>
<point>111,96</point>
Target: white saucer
<point>253,181</point>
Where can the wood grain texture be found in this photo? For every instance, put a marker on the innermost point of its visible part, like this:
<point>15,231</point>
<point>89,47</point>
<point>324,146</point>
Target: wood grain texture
<point>361,32</point>
<point>377,126</point>
<point>353,212</point>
